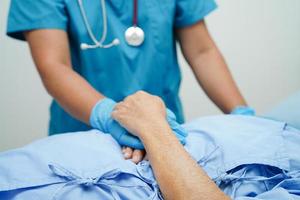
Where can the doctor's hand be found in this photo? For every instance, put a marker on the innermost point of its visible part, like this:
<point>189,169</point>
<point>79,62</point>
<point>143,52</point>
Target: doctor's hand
<point>102,120</point>
<point>243,110</point>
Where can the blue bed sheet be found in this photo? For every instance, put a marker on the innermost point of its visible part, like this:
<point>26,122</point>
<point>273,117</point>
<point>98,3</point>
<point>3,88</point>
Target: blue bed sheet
<point>247,157</point>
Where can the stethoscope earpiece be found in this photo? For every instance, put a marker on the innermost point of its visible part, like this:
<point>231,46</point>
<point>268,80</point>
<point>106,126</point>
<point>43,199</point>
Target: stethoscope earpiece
<point>116,42</point>
<point>84,46</point>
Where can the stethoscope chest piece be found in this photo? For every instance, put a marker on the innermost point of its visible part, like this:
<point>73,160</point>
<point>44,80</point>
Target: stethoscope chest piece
<point>134,36</point>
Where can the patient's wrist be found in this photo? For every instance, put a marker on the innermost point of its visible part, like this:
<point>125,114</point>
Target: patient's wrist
<point>155,130</point>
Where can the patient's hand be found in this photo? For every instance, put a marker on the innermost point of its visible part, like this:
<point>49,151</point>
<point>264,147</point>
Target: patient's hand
<point>136,113</point>
<point>139,112</point>
<point>135,155</point>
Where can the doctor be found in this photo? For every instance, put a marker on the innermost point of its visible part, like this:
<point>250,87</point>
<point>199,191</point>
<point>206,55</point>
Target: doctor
<point>91,54</point>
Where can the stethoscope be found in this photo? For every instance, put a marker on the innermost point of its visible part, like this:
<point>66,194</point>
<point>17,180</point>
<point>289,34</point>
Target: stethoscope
<point>134,35</point>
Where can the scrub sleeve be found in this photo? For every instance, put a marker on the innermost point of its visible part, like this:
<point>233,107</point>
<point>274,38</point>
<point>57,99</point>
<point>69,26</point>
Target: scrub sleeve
<point>189,12</point>
<point>26,15</point>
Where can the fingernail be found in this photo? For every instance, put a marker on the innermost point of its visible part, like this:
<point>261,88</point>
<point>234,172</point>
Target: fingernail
<point>126,155</point>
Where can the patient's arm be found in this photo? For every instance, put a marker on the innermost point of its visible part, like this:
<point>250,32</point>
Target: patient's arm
<point>177,173</point>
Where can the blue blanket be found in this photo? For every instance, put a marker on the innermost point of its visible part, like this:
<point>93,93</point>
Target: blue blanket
<point>247,157</point>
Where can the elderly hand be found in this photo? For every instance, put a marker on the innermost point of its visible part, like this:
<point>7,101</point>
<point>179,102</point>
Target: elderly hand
<point>139,112</point>
<point>136,117</point>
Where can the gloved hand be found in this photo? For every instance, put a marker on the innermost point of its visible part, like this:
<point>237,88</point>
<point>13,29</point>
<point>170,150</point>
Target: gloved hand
<point>243,110</point>
<point>101,119</point>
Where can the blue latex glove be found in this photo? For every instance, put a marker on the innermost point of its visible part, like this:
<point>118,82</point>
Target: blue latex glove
<point>243,110</point>
<point>101,119</point>
<point>178,130</point>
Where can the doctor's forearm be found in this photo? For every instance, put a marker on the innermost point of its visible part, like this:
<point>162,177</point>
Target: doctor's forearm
<point>209,66</point>
<point>215,78</point>
<point>70,90</point>
<point>51,54</point>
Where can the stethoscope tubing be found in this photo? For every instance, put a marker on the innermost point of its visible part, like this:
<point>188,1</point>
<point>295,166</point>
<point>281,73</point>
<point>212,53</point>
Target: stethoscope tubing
<point>99,43</point>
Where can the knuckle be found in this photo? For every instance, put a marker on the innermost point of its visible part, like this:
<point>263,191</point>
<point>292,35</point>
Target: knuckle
<point>119,105</point>
<point>141,92</point>
<point>128,99</point>
<point>157,99</point>
<point>126,105</point>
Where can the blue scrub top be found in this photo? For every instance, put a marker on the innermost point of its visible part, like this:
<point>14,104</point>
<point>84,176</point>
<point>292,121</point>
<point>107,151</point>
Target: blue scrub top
<point>122,70</point>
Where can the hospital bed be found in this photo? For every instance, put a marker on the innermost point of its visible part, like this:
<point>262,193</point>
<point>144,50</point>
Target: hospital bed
<point>288,111</point>
<point>48,168</point>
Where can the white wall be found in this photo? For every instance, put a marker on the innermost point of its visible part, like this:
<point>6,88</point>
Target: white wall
<point>260,40</point>
<point>23,101</point>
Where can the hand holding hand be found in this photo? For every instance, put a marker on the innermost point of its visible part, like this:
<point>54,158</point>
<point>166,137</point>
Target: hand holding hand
<point>139,112</point>
<point>102,120</point>
<point>142,111</point>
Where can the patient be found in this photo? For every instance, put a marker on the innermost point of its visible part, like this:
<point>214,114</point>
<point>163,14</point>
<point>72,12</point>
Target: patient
<point>236,157</point>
